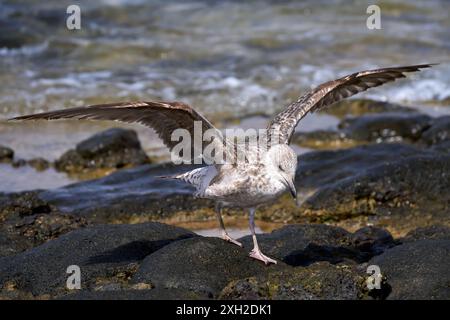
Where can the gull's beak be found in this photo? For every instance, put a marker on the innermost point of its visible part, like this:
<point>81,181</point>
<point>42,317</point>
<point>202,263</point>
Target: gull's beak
<point>292,189</point>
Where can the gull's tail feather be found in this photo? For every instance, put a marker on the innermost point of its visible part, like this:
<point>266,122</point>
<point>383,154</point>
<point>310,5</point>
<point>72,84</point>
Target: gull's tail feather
<point>199,177</point>
<point>173,176</point>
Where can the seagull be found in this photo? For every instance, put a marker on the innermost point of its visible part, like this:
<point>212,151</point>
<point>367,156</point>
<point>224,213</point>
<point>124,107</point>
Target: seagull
<point>266,173</point>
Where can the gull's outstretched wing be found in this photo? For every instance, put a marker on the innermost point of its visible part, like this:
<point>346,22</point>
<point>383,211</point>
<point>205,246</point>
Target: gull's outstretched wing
<point>283,125</point>
<point>163,117</point>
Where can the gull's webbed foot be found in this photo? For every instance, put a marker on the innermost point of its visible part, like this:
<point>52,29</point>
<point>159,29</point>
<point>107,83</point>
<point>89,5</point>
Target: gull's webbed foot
<point>258,255</point>
<point>227,238</point>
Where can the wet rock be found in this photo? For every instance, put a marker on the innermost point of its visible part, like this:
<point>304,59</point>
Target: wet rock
<point>414,188</point>
<point>372,241</point>
<point>6,154</point>
<point>438,132</point>
<point>20,234</point>
<point>130,294</point>
<point>436,232</point>
<point>371,128</point>
<point>301,245</point>
<point>16,34</point>
<point>442,147</point>
<point>102,252</point>
<point>359,107</point>
<point>385,127</point>
<point>417,270</point>
<point>320,168</point>
<point>114,148</point>
<point>155,198</point>
<point>203,265</point>
<point>19,163</point>
<point>128,193</point>
<point>320,280</point>
<point>322,139</point>
<point>14,205</point>
<point>26,221</point>
<point>304,244</point>
<point>39,164</point>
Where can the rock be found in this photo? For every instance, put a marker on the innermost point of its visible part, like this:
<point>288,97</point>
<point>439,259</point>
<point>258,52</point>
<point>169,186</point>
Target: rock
<point>13,205</point>
<point>385,127</point>
<point>112,149</point>
<point>20,234</point>
<point>39,164</point>
<point>320,280</point>
<point>320,168</point>
<point>322,139</point>
<point>436,232</point>
<point>6,154</point>
<point>203,265</point>
<point>304,244</point>
<point>146,195</point>
<point>359,107</point>
<point>442,147</point>
<point>415,190</point>
<point>16,34</point>
<point>372,240</point>
<point>438,132</point>
<point>371,128</point>
<point>130,294</point>
<point>417,270</point>
<point>109,252</point>
<point>150,197</point>
<point>19,163</point>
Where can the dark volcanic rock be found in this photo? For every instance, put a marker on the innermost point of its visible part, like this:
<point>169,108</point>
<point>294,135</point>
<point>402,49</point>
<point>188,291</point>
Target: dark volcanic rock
<point>27,221</point>
<point>436,232</point>
<point>320,168</point>
<point>372,241</point>
<point>127,193</point>
<point>6,154</point>
<point>318,281</point>
<point>389,127</point>
<point>39,164</point>
<point>415,185</point>
<point>438,132</point>
<point>16,34</point>
<point>113,148</point>
<point>204,265</point>
<point>104,200</point>
<point>19,234</point>
<point>442,147</point>
<point>19,163</point>
<point>359,107</point>
<point>321,139</point>
<point>302,245</point>
<point>417,270</point>
<point>133,294</point>
<point>102,252</point>
<point>22,204</point>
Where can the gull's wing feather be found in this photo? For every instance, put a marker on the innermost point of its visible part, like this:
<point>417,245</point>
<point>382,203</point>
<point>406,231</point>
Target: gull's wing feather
<point>163,117</point>
<point>283,125</point>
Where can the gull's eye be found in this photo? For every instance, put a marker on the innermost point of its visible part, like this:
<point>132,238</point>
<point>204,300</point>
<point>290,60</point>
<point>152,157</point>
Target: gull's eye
<point>279,167</point>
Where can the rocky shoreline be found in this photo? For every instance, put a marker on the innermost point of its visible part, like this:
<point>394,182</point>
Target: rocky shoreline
<point>375,191</point>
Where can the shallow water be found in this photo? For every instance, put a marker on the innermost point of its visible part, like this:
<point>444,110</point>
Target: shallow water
<point>226,58</point>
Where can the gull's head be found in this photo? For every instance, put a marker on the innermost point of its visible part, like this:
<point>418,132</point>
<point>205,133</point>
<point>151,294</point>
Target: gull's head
<point>283,163</point>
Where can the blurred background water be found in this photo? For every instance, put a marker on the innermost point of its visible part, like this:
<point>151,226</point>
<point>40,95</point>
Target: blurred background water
<point>225,58</point>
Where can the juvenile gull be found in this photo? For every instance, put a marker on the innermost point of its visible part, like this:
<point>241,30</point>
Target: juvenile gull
<point>267,172</point>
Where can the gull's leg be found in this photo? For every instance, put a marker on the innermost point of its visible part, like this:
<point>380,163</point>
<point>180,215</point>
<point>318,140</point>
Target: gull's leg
<point>225,235</point>
<point>256,252</point>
